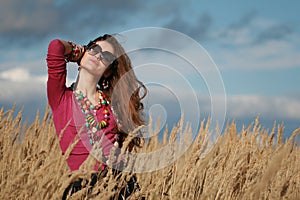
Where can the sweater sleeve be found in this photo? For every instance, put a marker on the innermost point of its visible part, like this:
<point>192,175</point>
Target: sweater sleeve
<point>57,72</point>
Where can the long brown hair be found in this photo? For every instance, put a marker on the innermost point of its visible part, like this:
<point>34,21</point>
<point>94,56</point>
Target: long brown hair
<point>124,90</point>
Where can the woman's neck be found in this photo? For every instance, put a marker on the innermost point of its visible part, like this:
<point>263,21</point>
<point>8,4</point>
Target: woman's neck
<point>87,84</point>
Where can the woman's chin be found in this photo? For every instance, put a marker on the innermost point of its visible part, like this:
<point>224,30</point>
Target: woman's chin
<point>95,71</point>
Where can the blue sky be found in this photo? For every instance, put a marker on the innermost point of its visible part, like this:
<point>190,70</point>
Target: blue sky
<point>254,44</point>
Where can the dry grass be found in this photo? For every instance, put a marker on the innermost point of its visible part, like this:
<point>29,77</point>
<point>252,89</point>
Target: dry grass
<point>251,164</point>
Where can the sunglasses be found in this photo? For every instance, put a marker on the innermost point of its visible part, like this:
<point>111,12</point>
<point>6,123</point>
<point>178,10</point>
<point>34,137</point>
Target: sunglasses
<point>106,57</point>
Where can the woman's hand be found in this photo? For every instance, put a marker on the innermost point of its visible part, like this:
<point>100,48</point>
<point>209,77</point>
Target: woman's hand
<point>73,51</point>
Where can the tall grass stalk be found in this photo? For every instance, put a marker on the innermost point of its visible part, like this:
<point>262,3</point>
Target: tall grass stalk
<point>250,164</point>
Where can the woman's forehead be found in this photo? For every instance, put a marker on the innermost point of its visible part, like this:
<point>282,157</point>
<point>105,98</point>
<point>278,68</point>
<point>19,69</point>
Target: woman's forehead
<point>106,46</point>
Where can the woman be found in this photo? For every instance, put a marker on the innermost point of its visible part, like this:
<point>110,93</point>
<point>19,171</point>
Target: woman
<point>103,105</point>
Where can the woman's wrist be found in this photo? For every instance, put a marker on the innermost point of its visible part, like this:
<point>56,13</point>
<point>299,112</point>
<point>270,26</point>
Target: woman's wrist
<point>68,47</point>
<point>73,52</point>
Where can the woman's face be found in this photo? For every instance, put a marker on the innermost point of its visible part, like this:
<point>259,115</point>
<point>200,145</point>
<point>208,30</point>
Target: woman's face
<point>93,63</point>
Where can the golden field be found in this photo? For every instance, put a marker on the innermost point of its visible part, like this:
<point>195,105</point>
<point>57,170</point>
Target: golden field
<point>251,164</point>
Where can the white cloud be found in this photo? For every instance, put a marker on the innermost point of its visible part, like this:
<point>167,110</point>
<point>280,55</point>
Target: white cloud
<point>21,75</point>
<point>262,44</point>
<point>272,54</point>
<point>17,92</point>
<point>16,75</point>
<point>19,84</point>
<point>237,106</point>
<point>281,107</point>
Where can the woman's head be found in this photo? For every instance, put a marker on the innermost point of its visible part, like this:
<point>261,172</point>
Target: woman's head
<point>98,57</point>
<point>121,85</point>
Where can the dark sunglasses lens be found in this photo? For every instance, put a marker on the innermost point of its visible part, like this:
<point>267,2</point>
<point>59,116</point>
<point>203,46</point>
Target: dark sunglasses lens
<point>94,49</point>
<point>109,57</point>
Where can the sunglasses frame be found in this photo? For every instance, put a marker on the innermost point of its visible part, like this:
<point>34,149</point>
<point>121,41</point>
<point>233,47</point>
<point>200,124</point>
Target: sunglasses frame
<point>102,57</point>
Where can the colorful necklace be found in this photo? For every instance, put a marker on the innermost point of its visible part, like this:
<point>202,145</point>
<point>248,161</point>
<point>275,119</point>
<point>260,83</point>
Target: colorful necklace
<point>89,110</point>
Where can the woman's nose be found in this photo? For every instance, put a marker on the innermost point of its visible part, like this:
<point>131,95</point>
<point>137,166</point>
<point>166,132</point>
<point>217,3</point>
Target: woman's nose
<point>98,56</point>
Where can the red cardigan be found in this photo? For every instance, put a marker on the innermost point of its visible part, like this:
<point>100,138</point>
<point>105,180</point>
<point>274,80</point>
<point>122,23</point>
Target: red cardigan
<point>66,113</point>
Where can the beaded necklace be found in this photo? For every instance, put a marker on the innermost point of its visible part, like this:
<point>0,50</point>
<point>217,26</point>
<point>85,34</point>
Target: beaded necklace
<point>89,110</point>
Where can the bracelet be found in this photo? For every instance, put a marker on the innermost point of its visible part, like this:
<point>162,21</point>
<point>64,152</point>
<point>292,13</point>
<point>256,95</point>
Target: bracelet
<point>75,53</point>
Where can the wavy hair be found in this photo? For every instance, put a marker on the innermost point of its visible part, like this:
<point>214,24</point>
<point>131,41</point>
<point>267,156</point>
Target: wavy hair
<point>124,91</point>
